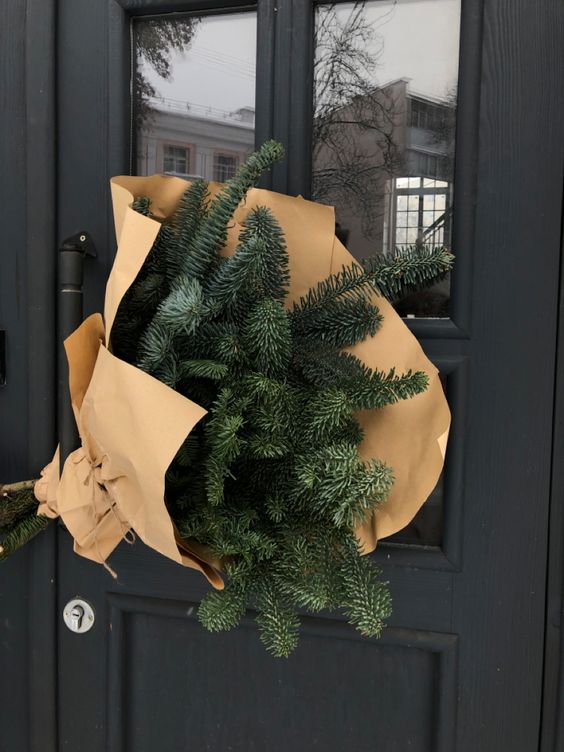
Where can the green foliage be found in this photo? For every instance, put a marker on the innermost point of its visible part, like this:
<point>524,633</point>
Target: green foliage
<point>21,533</point>
<point>277,621</point>
<point>271,480</point>
<point>267,339</point>
<point>407,270</point>
<point>393,276</point>
<point>223,609</point>
<point>365,598</point>
<point>19,521</point>
<point>16,501</point>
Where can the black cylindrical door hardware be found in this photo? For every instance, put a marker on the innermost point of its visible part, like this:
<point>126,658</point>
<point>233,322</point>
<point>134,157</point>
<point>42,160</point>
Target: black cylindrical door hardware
<point>69,317</point>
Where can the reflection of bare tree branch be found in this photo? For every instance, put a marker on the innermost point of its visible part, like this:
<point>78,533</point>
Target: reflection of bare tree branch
<point>156,40</point>
<point>354,150</point>
<point>443,132</point>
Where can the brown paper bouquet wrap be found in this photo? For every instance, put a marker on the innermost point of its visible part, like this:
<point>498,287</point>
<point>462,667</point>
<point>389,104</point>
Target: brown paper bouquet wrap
<point>131,425</point>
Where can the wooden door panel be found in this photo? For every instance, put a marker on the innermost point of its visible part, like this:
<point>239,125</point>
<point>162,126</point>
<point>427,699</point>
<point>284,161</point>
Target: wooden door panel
<point>460,667</point>
<point>351,693</point>
<point>170,684</point>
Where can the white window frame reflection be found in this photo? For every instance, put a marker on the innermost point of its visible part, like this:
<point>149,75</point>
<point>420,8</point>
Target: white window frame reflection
<point>420,210</point>
<point>174,168</point>
<point>223,172</point>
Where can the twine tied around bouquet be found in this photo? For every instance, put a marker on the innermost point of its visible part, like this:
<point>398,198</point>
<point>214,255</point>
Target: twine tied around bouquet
<point>94,522</point>
<point>112,487</point>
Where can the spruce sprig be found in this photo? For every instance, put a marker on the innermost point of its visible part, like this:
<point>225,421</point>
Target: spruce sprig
<point>271,480</point>
<point>19,521</point>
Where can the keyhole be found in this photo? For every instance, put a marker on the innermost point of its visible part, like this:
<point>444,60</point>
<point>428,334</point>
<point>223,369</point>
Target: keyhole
<point>78,615</point>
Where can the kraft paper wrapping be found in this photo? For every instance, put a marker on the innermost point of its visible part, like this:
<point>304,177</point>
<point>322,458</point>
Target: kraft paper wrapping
<point>131,425</point>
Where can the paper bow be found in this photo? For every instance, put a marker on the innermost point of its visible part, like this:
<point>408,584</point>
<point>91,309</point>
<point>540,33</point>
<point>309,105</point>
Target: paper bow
<point>131,425</point>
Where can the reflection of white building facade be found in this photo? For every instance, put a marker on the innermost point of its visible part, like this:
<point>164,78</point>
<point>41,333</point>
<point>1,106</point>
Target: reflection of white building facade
<point>193,141</point>
<point>410,196</point>
<point>419,206</point>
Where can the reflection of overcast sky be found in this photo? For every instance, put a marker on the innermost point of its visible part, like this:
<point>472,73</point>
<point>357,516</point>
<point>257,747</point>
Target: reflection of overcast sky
<point>421,39</point>
<point>218,69</point>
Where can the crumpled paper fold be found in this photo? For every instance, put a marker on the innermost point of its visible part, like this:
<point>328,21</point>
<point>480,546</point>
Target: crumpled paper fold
<point>131,425</point>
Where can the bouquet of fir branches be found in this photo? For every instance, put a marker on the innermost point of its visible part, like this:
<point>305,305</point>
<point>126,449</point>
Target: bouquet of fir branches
<point>270,482</point>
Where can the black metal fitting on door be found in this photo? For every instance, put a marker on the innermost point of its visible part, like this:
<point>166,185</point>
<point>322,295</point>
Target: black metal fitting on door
<point>2,357</point>
<point>69,317</point>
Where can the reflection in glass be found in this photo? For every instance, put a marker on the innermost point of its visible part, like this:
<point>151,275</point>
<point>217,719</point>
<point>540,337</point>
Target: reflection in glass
<point>194,94</point>
<point>384,127</point>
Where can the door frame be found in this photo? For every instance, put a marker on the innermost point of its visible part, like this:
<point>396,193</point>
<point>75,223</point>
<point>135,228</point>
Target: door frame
<point>41,85</point>
<point>552,728</point>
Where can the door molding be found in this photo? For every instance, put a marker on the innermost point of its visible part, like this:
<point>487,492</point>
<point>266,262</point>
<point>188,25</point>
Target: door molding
<point>552,731</point>
<point>442,646</point>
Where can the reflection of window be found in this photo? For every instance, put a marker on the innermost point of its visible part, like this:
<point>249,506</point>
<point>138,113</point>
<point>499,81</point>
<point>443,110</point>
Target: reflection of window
<point>421,212</point>
<point>224,167</point>
<point>423,163</point>
<point>426,115</point>
<point>176,159</point>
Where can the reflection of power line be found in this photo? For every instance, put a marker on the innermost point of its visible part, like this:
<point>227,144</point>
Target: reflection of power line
<point>226,68</point>
<point>230,59</point>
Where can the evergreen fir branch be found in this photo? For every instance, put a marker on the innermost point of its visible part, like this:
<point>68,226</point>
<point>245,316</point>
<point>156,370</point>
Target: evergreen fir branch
<point>236,275</point>
<point>188,218</point>
<point>165,257</point>
<point>366,599</point>
<point>367,488</point>
<point>342,323</point>
<point>343,487</point>
<point>217,340</point>
<point>210,238</point>
<point>202,251</point>
<point>146,293</point>
<point>21,533</point>
<point>325,414</point>
<point>274,272</point>
<point>154,347</point>
<point>142,205</point>
<point>17,500</point>
<point>183,309</point>
<point>267,338</point>
<point>407,270</point>
<point>141,300</point>
<point>222,609</point>
<point>277,621</point>
<point>323,365</point>
<point>380,389</point>
<point>262,386</point>
<point>258,268</point>
<point>351,432</point>
<point>314,579</point>
<point>168,371</point>
<point>275,508</point>
<point>204,369</point>
<point>349,283</point>
<point>271,480</point>
<point>242,536</point>
<point>223,442</point>
<point>265,446</point>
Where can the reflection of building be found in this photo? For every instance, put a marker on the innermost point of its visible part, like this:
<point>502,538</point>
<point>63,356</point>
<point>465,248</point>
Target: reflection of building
<point>194,141</point>
<point>403,176</point>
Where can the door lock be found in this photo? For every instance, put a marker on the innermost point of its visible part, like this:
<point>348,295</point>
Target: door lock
<point>78,615</point>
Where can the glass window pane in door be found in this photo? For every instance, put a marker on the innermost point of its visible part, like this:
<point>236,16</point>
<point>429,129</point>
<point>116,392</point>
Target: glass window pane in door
<point>386,74</point>
<point>194,94</point>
